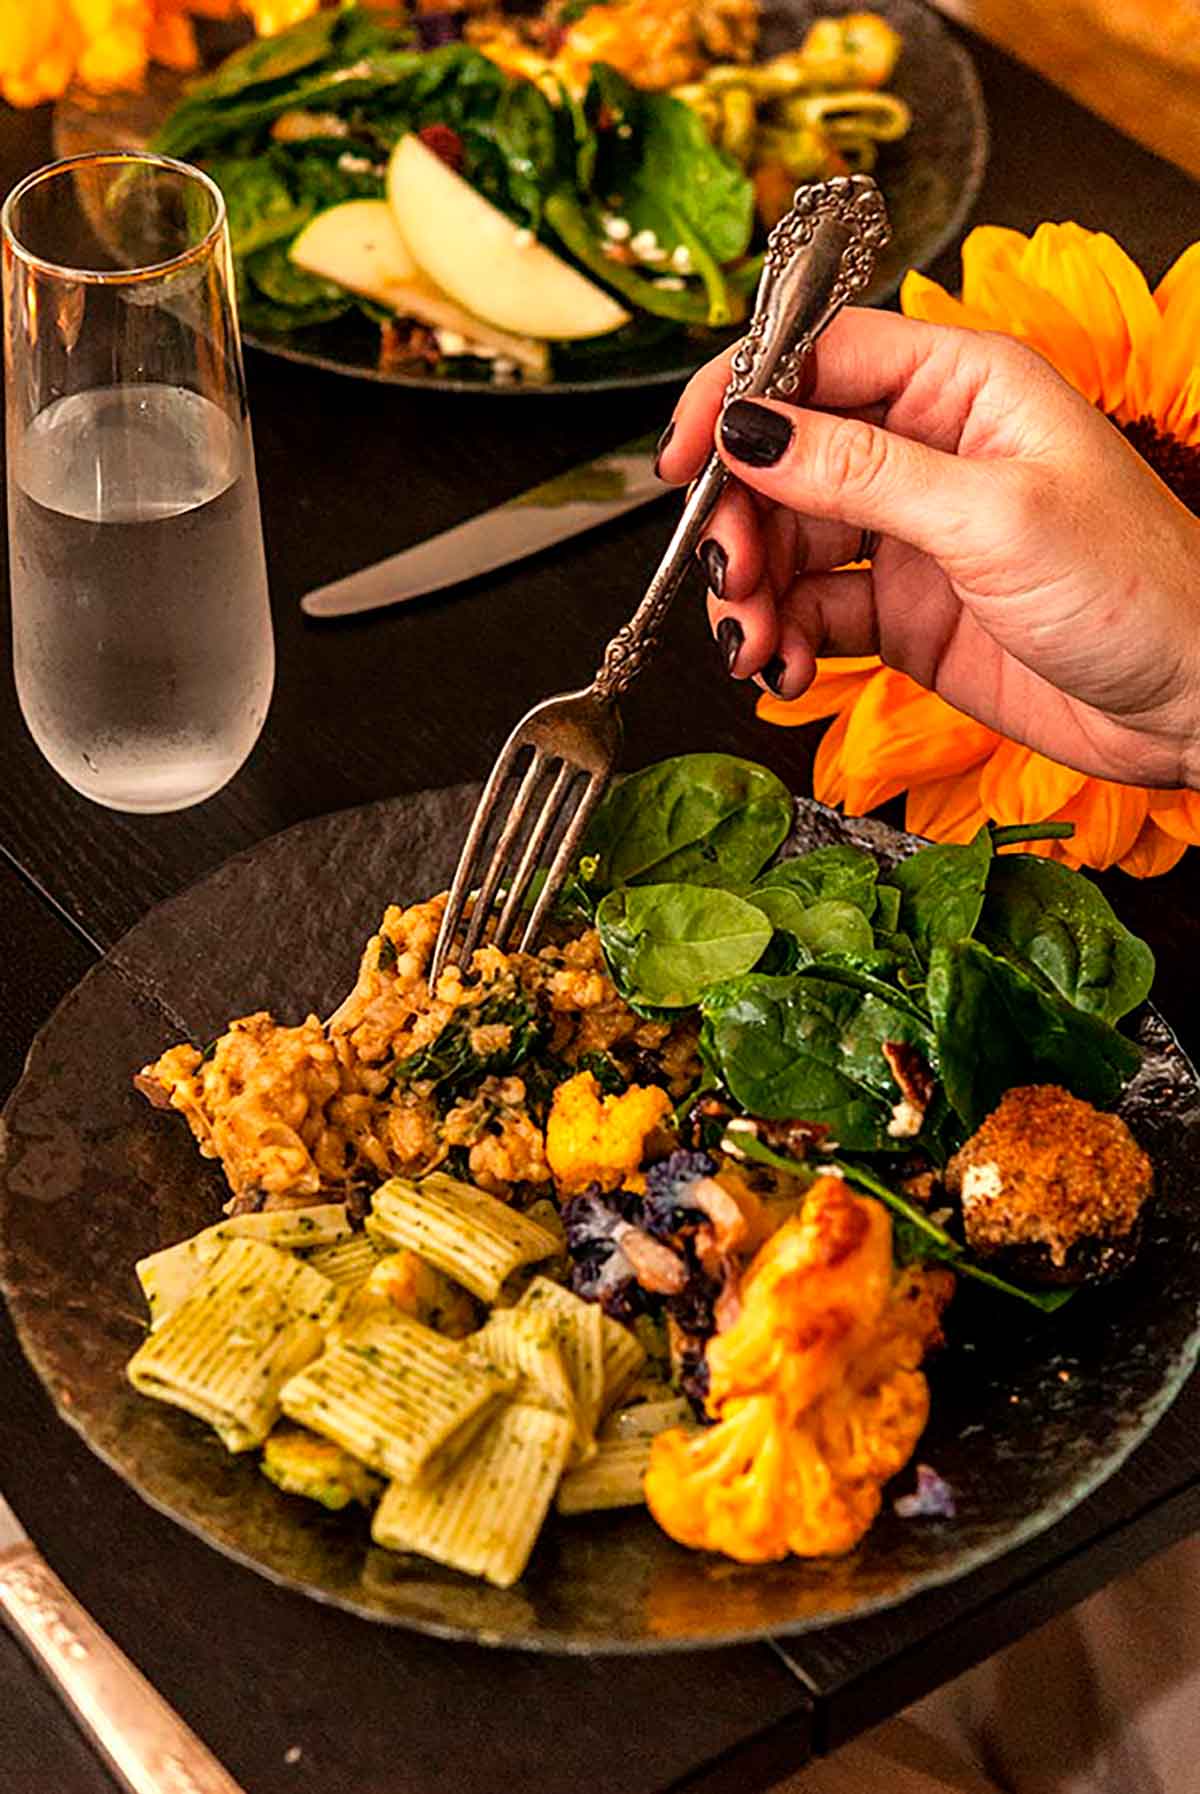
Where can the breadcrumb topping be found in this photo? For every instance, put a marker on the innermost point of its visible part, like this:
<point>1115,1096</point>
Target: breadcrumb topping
<point>1048,1169</point>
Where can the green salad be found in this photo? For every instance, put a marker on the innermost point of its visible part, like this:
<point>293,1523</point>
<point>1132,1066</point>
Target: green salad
<point>298,127</point>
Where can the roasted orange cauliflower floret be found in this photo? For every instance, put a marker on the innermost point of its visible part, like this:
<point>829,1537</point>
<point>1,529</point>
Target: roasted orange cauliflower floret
<point>595,1139</point>
<point>815,1389</point>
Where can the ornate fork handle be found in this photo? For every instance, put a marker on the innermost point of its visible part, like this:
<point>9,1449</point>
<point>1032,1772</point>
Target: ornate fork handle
<point>818,257</point>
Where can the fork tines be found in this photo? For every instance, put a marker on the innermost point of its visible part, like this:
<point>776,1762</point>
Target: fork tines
<point>550,752</point>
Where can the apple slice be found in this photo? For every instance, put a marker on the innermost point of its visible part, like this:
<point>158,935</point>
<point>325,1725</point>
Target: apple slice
<point>357,245</point>
<point>482,259</point>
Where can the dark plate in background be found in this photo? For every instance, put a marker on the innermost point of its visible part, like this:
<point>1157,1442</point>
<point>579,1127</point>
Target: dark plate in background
<point>930,182</point>
<point>1029,1413</point>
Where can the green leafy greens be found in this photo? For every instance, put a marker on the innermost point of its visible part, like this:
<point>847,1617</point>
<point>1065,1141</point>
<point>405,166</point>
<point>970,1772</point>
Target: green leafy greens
<point>667,944</point>
<point>299,122</point>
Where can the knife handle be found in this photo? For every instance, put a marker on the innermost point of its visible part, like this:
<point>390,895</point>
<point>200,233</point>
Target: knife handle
<point>819,256</point>
<point>142,1739</point>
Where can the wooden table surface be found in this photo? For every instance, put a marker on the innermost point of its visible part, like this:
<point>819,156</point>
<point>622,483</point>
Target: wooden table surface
<point>297,1698</point>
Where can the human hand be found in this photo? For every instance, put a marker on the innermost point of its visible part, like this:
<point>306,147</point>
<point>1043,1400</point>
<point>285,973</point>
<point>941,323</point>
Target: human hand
<point>1030,568</point>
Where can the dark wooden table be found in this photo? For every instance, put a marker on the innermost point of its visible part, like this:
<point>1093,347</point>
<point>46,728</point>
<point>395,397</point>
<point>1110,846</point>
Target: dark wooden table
<point>293,1696</point>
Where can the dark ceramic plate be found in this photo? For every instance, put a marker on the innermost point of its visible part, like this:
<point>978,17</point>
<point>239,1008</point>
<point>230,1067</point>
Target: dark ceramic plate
<point>930,181</point>
<point>1029,1413</point>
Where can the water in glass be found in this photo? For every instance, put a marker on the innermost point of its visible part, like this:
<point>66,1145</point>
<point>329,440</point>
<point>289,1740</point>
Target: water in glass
<point>142,645</point>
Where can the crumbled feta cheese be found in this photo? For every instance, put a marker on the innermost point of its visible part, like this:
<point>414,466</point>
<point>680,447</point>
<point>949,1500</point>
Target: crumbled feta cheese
<point>349,163</point>
<point>981,1183</point>
<point>906,1120</point>
<point>619,229</point>
<point>681,258</point>
<point>647,247</point>
<point>670,283</point>
<point>522,238</point>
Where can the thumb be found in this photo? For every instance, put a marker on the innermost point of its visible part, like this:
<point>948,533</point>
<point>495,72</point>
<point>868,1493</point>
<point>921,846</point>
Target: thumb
<point>850,471</point>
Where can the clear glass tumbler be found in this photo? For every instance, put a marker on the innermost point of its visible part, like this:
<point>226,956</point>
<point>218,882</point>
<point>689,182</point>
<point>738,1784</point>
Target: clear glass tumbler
<point>142,641</point>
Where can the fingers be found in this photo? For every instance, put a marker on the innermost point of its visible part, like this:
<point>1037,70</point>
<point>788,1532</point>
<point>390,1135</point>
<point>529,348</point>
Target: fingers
<point>845,470</point>
<point>778,642</point>
<point>732,551</point>
<point>865,358</point>
<point>745,632</point>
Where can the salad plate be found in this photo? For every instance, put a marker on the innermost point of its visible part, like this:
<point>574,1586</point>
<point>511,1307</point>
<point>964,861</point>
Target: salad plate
<point>1030,1411</point>
<point>930,179</point>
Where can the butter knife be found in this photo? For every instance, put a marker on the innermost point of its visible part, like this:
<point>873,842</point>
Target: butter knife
<point>565,506</point>
<point>143,1740</point>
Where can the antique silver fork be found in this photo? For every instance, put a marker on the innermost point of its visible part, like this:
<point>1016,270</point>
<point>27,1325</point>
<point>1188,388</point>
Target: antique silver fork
<point>818,256</point>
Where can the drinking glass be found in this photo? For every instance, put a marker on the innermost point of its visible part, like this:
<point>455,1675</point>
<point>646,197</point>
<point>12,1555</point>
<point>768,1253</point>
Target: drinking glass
<point>142,641</point>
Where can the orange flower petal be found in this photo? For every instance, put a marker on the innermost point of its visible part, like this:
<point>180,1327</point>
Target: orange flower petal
<point>1179,278</point>
<point>1173,386</point>
<point>1177,813</point>
<point>989,247</point>
<point>900,733</point>
<point>1040,319</point>
<point>922,298</point>
<point>1108,819</point>
<point>1104,291</point>
<point>172,42</point>
<point>945,809</point>
<point>1019,785</point>
<point>1153,853</point>
<point>837,683</point>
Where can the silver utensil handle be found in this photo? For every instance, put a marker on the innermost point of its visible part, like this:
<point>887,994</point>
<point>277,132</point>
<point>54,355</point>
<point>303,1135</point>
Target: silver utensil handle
<point>819,256</point>
<point>145,1743</point>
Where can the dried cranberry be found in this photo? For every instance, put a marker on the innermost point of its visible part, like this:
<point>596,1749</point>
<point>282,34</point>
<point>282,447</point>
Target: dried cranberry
<point>445,143</point>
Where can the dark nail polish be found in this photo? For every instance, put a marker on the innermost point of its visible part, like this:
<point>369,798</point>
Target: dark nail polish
<point>730,637</point>
<point>714,560</point>
<point>774,673</point>
<point>755,435</point>
<point>663,444</point>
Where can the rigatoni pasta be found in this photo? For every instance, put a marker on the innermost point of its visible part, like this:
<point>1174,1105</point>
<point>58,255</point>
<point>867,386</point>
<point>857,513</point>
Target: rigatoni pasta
<point>484,1514</point>
<point>394,1399</point>
<point>168,1277</point>
<point>471,1236</point>
<point>581,1334</point>
<point>254,1319</point>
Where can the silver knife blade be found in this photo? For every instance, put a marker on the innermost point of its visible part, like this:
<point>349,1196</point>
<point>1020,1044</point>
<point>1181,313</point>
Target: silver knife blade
<point>565,506</point>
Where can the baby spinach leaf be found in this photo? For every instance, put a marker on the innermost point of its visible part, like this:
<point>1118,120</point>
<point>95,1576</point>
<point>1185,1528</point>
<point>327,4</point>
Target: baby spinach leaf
<point>258,201</point>
<point>841,874</point>
<point>997,1028</point>
<point>828,926</point>
<point>1061,924</point>
<point>279,279</point>
<point>941,892</point>
<point>701,819</point>
<point>887,909</point>
<point>578,229</point>
<point>808,1048</point>
<point>667,944</point>
<point>873,974</point>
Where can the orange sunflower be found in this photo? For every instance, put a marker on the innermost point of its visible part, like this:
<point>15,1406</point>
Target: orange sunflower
<point>1075,296</point>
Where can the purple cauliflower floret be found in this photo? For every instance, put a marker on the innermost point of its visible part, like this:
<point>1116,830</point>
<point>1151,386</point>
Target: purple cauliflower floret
<point>600,1271</point>
<point>933,1498</point>
<point>668,1186</point>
